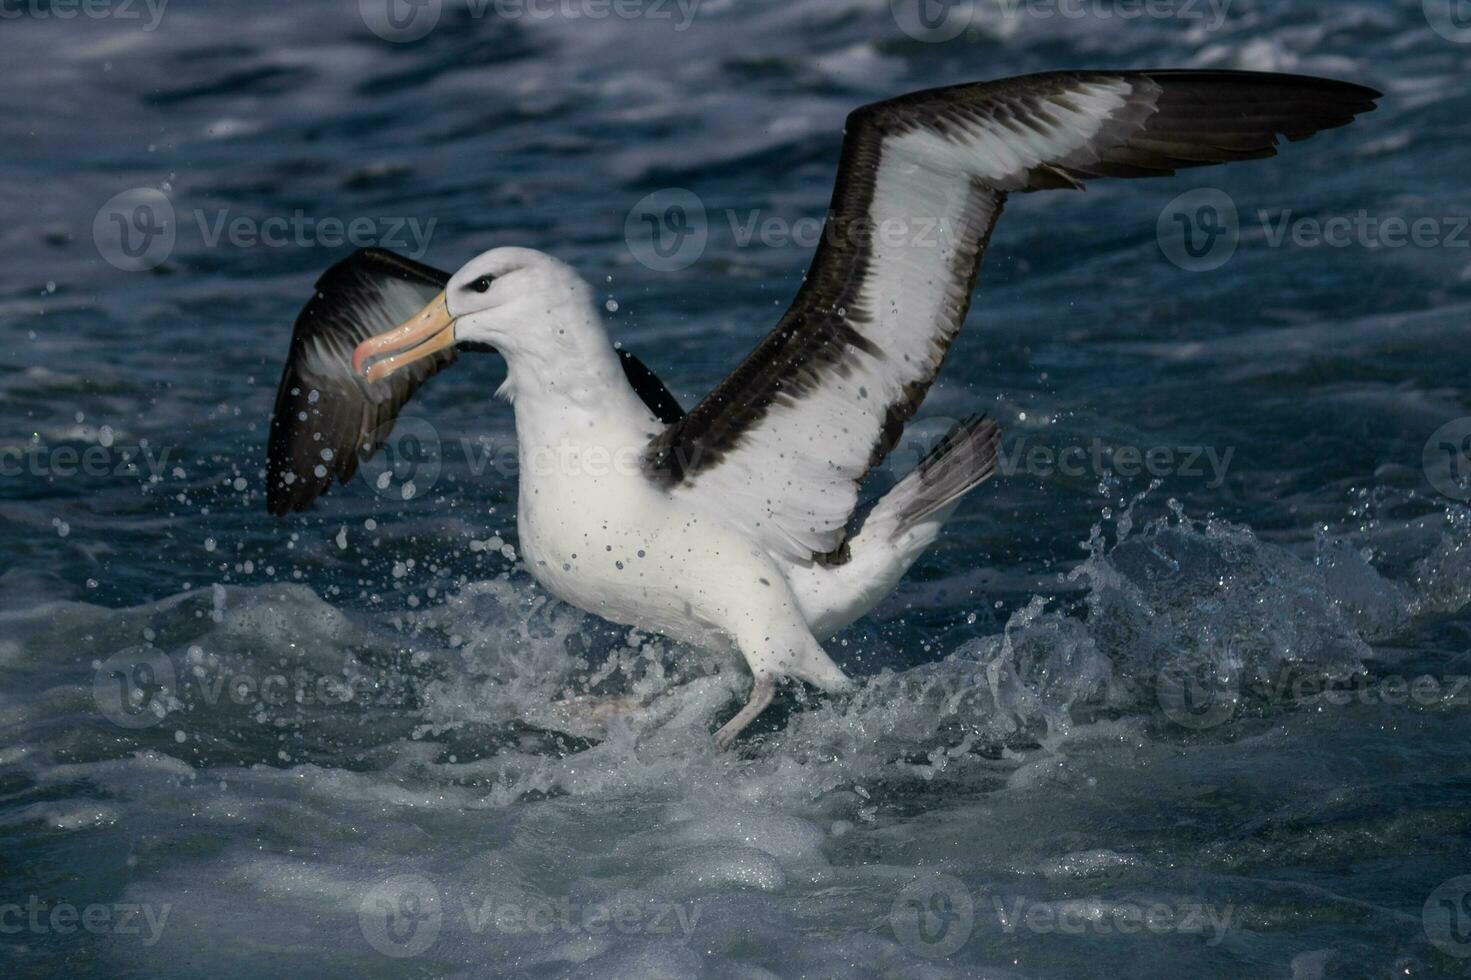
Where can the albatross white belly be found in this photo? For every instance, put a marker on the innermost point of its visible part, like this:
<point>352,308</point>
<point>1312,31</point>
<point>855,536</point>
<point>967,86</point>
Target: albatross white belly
<point>597,534</point>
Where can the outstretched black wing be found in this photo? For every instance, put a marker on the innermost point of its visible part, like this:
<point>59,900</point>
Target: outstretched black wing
<point>782,444</point>
<point>326,417</point>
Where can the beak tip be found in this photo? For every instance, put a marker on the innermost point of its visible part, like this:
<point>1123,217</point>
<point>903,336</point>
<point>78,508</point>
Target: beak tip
<point>361,361</point>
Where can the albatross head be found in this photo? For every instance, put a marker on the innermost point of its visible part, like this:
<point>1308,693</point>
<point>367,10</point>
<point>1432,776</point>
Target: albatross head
<point>521,302</point>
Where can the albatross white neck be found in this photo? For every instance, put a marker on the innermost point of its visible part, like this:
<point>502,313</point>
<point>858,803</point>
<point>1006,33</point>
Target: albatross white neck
<point>562,372</point>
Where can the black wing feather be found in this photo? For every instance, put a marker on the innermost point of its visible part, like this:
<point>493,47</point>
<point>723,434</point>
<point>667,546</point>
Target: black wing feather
<point>326,418</point>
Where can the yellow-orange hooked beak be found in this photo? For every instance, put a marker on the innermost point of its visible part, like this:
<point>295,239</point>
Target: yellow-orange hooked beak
<point>431,329</point>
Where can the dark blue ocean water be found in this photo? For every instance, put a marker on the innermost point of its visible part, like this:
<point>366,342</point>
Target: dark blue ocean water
<point>1202,717</point>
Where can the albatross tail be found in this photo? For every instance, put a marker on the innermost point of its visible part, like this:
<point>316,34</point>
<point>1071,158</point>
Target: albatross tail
<point>904,522</point>
<point>961,461</point>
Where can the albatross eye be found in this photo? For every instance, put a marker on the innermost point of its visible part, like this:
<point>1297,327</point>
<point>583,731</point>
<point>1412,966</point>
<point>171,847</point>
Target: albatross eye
<point>480,285</point>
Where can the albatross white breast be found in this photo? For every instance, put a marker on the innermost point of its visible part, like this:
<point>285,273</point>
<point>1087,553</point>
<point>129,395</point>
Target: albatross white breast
<point>736,523</point>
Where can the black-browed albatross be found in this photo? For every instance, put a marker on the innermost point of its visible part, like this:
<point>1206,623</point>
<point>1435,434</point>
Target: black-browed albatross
<point>733,524</point>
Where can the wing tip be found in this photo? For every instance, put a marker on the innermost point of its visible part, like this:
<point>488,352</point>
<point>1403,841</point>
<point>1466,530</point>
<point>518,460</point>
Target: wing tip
<point>284,499</point>
<point>1332,102</point>
<point>1237,75</point>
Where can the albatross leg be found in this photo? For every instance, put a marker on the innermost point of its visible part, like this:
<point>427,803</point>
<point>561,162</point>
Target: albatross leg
<point>761,694</point>
<point>768,628</point>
